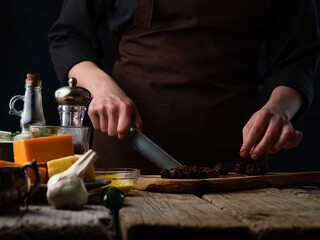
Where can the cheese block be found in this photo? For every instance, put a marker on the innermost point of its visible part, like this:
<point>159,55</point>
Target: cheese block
<point>42,149</point>
<point>42,170</point>
<point>6,163</point>
<point>89,175</point>
<point>61,164</point>
<point>43,175</point>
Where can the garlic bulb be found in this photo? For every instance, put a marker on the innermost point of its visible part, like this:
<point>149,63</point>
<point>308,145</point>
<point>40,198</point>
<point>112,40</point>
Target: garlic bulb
<point>67,189</point>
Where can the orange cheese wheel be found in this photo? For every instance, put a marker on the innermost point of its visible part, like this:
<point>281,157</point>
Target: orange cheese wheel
<point>42,149</point>
<point>6,163</point>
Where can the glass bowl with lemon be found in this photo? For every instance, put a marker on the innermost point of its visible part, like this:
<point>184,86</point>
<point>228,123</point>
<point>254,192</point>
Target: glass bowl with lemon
<point>121,178</point>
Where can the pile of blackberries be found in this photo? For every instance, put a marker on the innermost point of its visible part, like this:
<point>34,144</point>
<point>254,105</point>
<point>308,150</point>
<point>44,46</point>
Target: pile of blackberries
<point>250,169</point>
<point>194,172</point>
<point>187,172</point>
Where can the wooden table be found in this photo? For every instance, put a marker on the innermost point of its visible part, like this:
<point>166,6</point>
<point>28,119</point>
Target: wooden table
<point>271,213</point>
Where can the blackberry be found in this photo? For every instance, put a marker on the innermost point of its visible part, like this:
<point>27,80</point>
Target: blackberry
<point>175,172</point>
<point>179,173</point>
<point>172,172</point>
<point>184,167</point>
<point>240,167</point>
<point>189,174</point>
<point>165,173</point>
<point>252,170</point>
<point>204,172</point>
<point>221,169</point>
<point>212,173</point>
<point>196,172</point>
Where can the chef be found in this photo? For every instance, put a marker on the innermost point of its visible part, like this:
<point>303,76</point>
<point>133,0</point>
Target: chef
<point>187,75</point>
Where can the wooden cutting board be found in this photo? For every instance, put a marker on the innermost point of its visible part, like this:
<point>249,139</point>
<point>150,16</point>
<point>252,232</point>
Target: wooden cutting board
<point>230,182</point>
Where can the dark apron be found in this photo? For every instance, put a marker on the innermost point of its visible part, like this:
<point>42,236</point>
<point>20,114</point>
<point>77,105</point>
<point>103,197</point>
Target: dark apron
<point>190,68</point>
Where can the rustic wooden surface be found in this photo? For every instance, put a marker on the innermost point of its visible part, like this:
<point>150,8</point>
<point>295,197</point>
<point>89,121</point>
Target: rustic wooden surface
<point>267,214</point>
<point>175,216</point>
<point>271,213</point>
<point>289,213</point>
<point>154,183</point>
<point>46,223</point>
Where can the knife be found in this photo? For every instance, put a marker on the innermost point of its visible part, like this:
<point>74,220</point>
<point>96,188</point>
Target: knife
<point>150,150</point>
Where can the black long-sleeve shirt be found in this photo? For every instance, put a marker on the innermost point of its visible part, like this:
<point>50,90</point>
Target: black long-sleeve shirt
<point>290,55</point>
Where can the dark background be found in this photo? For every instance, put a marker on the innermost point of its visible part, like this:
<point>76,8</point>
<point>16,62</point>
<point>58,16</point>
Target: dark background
<point>24,49</point>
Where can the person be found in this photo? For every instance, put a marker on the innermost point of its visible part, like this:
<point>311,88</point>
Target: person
<point>187,75</point>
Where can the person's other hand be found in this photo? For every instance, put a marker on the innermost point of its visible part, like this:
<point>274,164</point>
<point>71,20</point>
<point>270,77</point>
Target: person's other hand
<point>110,109</point>
<point>269,129</point>
<point>272,129</point>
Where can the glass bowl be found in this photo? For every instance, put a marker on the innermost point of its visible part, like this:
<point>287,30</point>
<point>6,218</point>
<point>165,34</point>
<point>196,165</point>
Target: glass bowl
<point>5,136</point>
<point>122,178</point>
<point>80,135</point>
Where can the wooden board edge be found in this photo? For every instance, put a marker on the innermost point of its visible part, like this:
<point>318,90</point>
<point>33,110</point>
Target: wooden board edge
<point>154,183</point>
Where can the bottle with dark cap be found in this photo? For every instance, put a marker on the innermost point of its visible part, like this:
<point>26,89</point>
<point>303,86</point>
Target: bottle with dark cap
<point>32,113</point>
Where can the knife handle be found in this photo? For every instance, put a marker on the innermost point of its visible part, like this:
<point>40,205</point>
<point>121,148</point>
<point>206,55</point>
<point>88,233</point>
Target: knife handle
<point>132,131</point>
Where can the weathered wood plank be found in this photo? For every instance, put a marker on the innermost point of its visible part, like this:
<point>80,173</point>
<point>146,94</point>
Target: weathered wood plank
<point>46,223</point>
<point>307,192</point>
<point>175,216</point>
<point>230,182</point>
<point>271,213</point>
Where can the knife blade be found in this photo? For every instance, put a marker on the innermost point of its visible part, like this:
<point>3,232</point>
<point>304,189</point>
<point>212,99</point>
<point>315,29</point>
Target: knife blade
<point>151,151</point>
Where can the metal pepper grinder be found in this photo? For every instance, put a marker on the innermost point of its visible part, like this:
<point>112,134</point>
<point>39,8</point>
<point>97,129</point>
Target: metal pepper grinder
<point>72,103</point>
